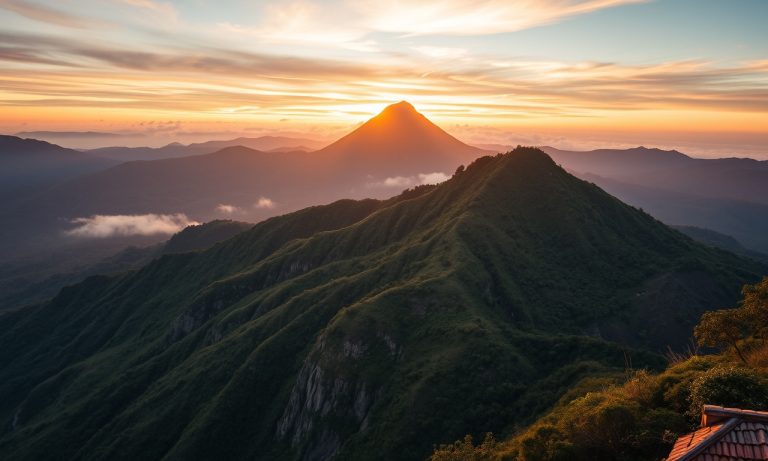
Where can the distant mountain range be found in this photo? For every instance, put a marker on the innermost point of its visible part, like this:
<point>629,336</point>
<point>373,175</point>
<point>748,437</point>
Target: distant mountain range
<point>398,148</point>
<point>741,179</point>
<point>360,330</point>
<point>176,150</point>
<point>28,163</point>
<point>727,195</point>
<point>394,150</point>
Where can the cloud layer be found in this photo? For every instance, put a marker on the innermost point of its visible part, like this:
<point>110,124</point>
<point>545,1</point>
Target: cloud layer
<point>103,226</point>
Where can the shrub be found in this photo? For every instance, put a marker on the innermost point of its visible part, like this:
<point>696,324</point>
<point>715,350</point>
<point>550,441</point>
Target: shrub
<point>466,450</point>
<point>728,386</point>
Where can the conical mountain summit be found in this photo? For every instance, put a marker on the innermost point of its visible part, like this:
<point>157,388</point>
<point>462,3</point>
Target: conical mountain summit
<point>398,140</point>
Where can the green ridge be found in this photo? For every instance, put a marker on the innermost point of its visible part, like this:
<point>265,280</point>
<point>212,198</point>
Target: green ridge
<point>360,329</point>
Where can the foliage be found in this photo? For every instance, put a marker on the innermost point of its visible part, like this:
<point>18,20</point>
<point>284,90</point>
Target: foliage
<point>641,418</point>
<point>729,386</point>
<point>466,450</point>
<point>730,327</point>
<point>367,329</point>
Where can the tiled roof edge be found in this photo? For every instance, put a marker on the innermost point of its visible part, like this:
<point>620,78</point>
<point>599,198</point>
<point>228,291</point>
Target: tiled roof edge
<point>712,438</point>
<point>752,415</point>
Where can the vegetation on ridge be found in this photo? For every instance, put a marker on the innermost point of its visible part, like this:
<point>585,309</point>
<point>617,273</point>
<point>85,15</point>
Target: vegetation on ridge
<point>360,329</point>
<point>639,417</point>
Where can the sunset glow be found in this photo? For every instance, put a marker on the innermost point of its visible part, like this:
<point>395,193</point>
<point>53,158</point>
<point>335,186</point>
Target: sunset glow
<point>489,71</point>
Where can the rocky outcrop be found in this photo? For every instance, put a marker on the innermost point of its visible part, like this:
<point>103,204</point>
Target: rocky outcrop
<point>325,406</point>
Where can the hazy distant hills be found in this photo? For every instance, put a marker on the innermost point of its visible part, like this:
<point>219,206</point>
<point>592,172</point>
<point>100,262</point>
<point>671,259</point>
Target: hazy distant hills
<point>727,195</point>
<point>718,240</point>
<point>175,150</point>
<point>732,178</point>
<point>361,329</point>
<point>394,150</point>
<point>37,279</point>
<point>746,221</point>
<point>27,163</point>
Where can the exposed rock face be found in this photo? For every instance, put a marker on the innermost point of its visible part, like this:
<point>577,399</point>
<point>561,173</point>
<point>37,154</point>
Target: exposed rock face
<point>319,395</point>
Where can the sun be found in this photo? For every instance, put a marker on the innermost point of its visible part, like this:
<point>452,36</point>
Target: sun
<point>353,111</point>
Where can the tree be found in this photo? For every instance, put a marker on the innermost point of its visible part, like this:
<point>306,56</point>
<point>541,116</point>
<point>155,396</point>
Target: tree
<point>755,307</point>
<point>728,327</point>
<point>721,329</point>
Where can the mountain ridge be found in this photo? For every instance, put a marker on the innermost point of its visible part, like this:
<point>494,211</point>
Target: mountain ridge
<point>357,330</point>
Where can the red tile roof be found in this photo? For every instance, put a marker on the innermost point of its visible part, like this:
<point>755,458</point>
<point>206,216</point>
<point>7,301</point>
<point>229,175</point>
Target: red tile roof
<point>727,434</point>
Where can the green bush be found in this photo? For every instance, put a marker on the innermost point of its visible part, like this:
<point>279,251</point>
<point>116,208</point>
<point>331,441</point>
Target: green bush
<point>466,450</point>
<point>728,386</point>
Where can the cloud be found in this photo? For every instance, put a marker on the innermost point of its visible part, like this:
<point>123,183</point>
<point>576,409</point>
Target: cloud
<point>398,181</point>
<point>227,209</point>
<point>440,52</point>
<point>165,10</point>
<point>483,17</point>
<point>45,14</point>
<point>102,226</point>
<point>433,178</point>
<point>403,182</point>
<point>264,202</point>
<point>303,88</point>
<point>342,22</point>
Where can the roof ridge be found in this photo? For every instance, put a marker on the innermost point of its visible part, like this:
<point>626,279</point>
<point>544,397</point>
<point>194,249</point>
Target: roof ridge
<point>710,439</point>
<point>727,412</point>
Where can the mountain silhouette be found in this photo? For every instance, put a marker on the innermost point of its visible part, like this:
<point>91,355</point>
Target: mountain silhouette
<point>29,163</point>
<point>728,195</point>
<point>175,150</point>
<point>742,179</point>
<point>397,141</point>
<point>360,330</point>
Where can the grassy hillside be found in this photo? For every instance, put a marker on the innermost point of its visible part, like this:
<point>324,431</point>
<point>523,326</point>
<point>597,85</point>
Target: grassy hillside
<point>361,329</point>
<point>638,415</point>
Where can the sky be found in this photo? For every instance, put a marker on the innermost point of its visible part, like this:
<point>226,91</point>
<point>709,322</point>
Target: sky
<point>685,74</point>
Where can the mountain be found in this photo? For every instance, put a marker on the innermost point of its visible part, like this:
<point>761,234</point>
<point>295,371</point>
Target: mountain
<point>360,330</point>
<point>29,281</point>
<point>742,179</point>
<point>175,150</point>
<point>202,236</point>
<point>26,163</point>
<point>746,221</point>
<point>718,240</point>
<point>728,195</point>
<point>386,154</point>
<point>397,141</point>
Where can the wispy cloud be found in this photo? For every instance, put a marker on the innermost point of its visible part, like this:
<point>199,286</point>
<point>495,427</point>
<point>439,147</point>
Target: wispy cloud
<point>482,17</point>
<point>45,14</point>
<point>440,52</point>
<point>103,226</point>
<point>166,10</point>
<point>342,21</point>
<point>304,87</point>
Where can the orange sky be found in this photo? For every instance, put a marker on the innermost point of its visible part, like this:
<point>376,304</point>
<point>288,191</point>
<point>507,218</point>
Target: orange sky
<point>574,73</point>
